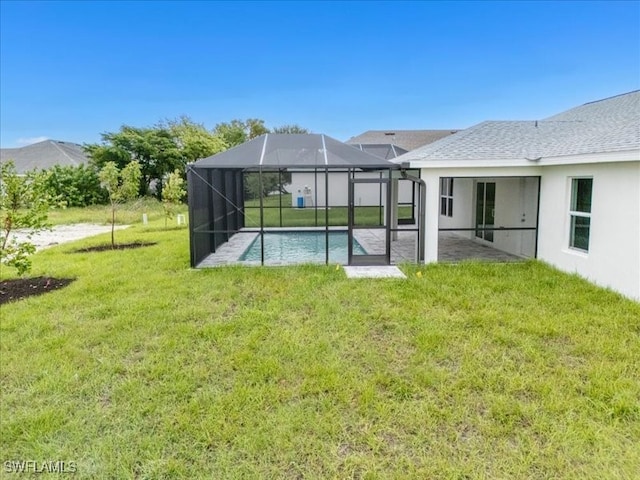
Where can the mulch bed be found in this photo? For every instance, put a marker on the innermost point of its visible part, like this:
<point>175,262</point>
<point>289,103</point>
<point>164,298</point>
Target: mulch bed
<point>12,290</point>
<point>118,246</point>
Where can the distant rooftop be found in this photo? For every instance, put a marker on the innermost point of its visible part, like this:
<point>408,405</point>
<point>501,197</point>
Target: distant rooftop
<point>386,151</point>
<point>43,155</point>
<point>406,139</point>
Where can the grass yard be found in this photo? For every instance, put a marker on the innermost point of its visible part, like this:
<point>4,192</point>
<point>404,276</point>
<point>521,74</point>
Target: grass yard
<point>308,217</point>
<point>143,368</point>
<point>130,213</point>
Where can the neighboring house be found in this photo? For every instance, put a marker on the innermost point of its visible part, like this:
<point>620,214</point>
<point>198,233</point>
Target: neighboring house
<point>306,185</point>
<point>388,151</point>
<point>565,189</point>
<point>405,139</point>
<point>43,155</point>
<point>386,144</point>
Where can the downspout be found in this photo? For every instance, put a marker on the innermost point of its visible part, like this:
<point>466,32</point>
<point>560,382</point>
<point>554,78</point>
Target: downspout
<point>326,201</point>
<point>261,186</point>
<point>422,208</point>
<point>535,252</point>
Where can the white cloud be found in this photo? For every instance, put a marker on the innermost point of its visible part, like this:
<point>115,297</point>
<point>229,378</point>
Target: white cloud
<point>21,142</point>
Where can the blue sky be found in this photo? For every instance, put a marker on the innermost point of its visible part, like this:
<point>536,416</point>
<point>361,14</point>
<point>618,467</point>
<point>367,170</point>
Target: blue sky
<point>72,70</point>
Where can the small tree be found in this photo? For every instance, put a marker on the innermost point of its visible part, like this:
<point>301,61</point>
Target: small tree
<point>23,205</point>
<point>121,187</point>
<point>172,194</point>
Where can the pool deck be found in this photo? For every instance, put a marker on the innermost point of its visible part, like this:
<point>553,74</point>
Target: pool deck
<point>451,248</point>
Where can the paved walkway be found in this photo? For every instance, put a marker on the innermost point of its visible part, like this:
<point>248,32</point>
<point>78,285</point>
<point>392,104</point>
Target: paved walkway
<point>453,248</point>
<point>62,234</point>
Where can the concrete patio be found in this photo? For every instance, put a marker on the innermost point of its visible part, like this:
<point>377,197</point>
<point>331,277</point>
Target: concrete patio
<point>451,248</point>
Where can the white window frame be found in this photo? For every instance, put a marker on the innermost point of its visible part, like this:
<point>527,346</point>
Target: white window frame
<point>574,213</point>
<point>446,196</point>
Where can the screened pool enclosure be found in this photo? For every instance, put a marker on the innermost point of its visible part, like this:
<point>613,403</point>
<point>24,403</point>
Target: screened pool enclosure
<point>302,198</point>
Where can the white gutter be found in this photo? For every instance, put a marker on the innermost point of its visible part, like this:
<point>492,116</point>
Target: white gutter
<point>605,157</point>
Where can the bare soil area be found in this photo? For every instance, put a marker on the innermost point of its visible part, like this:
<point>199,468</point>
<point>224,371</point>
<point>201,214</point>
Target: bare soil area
<point>118,246</point>
<point>19,288</point>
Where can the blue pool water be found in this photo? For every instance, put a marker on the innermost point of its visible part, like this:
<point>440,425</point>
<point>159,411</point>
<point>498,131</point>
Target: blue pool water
<point>301,247</point>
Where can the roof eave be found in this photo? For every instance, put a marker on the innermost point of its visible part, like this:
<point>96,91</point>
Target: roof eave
<point>600,157</point>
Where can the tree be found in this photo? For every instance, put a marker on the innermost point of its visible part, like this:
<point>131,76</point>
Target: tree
<point>194,141</point>
<point>294,128</point>
<point>172,194</point>
<point>121,185</point>
<point>24,204</point>
<point>154,149</point>
<point>236,132</point>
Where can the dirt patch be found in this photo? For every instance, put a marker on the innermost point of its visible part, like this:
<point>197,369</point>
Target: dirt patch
<point>62,234</point>
<point>118,246</point>
<point>17,289</point>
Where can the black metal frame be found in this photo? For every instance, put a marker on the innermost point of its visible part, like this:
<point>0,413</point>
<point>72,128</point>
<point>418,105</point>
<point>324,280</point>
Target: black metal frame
<point>506,229</point>
<point>369,259</point>
<point>217,209</point>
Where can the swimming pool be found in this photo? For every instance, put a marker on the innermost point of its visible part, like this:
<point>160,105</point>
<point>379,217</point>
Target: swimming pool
<point>301,247</point>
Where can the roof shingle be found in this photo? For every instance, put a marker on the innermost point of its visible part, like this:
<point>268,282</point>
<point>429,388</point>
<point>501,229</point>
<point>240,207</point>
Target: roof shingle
<point>608,125</point>
<point>407,139</point>
<point>44,155</point>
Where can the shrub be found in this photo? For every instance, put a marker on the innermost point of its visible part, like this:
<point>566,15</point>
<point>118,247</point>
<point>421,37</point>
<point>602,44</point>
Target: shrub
<point>24,204</point>
<point>76,186</point>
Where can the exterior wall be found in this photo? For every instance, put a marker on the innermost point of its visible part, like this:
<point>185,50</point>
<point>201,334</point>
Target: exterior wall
<point>365,195</point>
<point>613,259</point>
<point>463,207</point>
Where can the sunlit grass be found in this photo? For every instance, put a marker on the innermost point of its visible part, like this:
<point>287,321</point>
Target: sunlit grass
<point>143,368</point>
<point>277,211</point>
<point>128,213</point>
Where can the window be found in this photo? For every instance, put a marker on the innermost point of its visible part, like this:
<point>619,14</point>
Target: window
<point>580,213</point>
<point>446,196</point>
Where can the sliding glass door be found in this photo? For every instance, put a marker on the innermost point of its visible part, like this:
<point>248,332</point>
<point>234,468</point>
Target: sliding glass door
<point>485,210</point>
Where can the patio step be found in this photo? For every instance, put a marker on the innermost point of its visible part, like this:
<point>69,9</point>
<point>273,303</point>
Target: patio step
<point>387,271</point>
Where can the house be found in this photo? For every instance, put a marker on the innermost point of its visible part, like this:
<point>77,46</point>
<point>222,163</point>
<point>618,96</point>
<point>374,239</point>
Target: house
<point>405,139</point>
<point>564,189</point>
<point>305,184</point>
<point>44,155</point>
<point>385,144</point>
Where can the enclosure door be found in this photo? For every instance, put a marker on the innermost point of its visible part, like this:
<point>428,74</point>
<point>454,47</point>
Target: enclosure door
<point>369,221</point>
<point>485,209</point>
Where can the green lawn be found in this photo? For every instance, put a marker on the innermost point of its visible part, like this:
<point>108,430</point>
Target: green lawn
<point>130,213</point>
<point>306,217</point>
<point>143,368</point>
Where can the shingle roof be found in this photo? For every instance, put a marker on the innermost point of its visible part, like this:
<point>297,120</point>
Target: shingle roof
<point>288,150</point>
<point>45,154</point>
<point>386,151</point>
<point>604,126</point>
<point>407,139</point>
